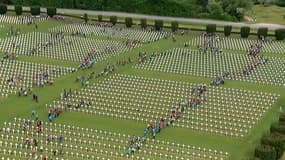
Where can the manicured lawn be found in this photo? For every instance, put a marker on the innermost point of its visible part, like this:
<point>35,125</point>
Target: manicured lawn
<point>270,14</point>
<point>238,148</point>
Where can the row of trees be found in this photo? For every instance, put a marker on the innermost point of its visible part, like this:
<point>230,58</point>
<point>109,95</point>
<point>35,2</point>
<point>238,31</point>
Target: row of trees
<point>35,10</point>
<point>216,9</point>
<point>272,145</point>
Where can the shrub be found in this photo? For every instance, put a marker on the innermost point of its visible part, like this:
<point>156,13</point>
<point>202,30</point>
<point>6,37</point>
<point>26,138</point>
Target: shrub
<point>85,17</point>
<point>51,11</point>
<point>143,23</point>
<point>244,32</point>
<point>282,117</point>
<point>35,10</point>
<point>275,140</point>
<point>174,26</point>
<point>211,28</point>
<point>3,9</point>
<point>227,30</point>
<point>158,24</point>
<point>262,32</point>
<point>100,18</point>
<point>129,22</point>
<point>280,35</point>
<point>265,152</point>
<point>18,10</point>
<point>113,20</point>
<point>278,127</point>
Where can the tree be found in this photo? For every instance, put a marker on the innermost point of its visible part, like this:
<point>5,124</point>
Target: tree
<point>211,28</point>
<point>85,17</point>
<point>113,20</point>
<point>158,25</point>
<point>215,10</point>
<point>280,34</point>
<point>227,30</point>
<point>143,23</point>
<point>51,11</point>
<point>128,22</point>
<point>244,32</point>
<point>278,127</point>
<point>100,18</point>
<point>174,26</point>
<point>18,10</point>
<point>3,9</point>
<point>35,10</point>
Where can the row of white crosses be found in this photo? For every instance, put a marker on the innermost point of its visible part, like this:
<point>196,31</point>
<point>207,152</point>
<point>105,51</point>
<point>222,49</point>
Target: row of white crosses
<point>113,32</point>
<point>196,63</point>
<point>50,45</point>
<point>239,44</point>
<point>23,19</point>
<point>87,143</point>
<point>229,112</point>
<point>16,74</point>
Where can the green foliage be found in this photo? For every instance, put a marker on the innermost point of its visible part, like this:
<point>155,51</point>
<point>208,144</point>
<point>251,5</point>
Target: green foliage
<point>275,140</point>
<point>282,117</point>
<point>3,9</point>
<point>265,152</point>
<point>143,23</point>
<point>262,32</point>
<point>35,10</point>
<point>51,11</point>
<point>227,30</point>
<point>244,31</point>
<point>211,28</point>
<point>280,3</point>
<point>278,127</point>
<point>100,18</point>
<point>280,35</point>
<point>128,22</point>
<point>225,9</point>
<point>18,10</point>
<point>85,17</point>
<point>158,25</point>
<point>113,20</point>
<point>174,26</point>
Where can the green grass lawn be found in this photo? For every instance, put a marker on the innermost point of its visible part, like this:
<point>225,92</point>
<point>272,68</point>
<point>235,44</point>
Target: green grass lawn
<point>271,14</point>
<point>238,148</point>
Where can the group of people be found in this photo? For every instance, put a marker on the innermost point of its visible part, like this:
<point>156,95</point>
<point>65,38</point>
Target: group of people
<point>210,41</point>
<point>89,60</point>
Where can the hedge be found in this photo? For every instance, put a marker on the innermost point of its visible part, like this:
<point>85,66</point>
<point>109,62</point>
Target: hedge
<point>35,10</point>
<point>227,30</point>
<point>158,25</point>
<point>113,20</point>
<point>128,22</point>
<point>100,18</point>
<point>18,10</point>
<point>244,31</point>
<point>143,23</point>
<point>278,127</point>
<point>174,26</point>
<point>280,34</point>
<point>3,9</point>
<point>262,32</point>
<point>275,140</point>
<point>211,28</point>
<point>51,11</point>
<point>265,152</point>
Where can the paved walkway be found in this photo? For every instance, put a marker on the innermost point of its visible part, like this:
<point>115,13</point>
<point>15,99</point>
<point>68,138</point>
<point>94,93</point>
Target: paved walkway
<point>164,18</point>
